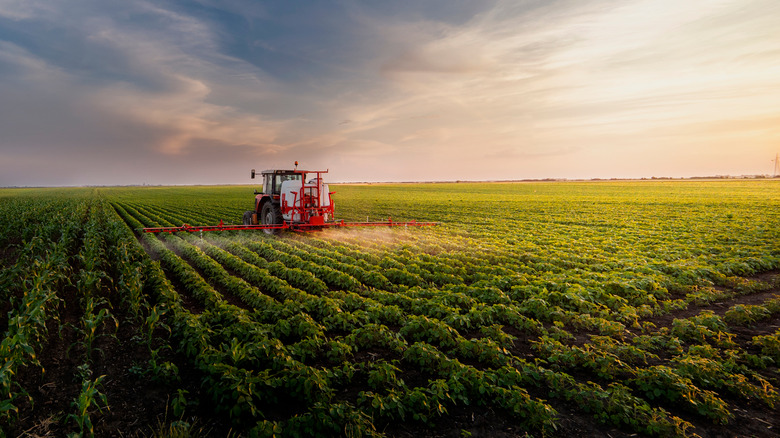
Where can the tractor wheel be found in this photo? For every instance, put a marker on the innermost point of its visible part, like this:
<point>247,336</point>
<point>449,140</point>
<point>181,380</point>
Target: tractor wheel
<point>248,217</point>
<point>270,215</point>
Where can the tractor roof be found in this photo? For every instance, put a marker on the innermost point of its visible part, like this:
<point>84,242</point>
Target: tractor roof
<point>290,171</point>
<point>269,171</point>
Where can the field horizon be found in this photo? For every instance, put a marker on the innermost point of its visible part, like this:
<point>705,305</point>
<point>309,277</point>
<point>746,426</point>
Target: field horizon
<point>757,177</point>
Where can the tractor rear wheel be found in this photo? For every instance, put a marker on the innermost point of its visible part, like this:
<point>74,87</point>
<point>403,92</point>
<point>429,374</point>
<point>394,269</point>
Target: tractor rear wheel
<point>270,215</point>
<point>248,217</point>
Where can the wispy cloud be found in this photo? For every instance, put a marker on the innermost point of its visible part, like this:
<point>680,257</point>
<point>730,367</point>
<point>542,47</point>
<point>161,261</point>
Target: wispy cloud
<point>170,79</point>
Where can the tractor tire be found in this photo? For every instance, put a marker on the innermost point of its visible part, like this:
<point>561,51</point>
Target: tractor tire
<point>248,217</point>
<point>270,215</point>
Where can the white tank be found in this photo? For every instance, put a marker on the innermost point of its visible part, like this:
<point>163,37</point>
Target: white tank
<point>290,197</point>
<point>324,198</point>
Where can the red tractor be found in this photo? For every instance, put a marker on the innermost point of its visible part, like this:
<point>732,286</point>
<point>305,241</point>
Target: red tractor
<point>289,200</point>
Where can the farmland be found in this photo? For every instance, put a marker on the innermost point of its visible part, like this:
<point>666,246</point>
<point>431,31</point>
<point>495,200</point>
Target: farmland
<point>552,309</point>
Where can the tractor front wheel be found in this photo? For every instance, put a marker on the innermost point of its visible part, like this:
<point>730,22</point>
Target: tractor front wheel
<point>270,215</point>
<point>248,217</point>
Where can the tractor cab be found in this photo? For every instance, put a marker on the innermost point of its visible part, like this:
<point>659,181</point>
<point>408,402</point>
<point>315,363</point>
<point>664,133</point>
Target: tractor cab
<point>273,179</point>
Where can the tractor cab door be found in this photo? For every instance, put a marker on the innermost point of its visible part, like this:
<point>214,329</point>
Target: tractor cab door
<point>268,184</point>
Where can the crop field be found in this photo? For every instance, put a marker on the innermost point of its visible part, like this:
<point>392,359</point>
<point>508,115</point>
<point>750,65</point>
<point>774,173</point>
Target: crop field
<point>642,308</point>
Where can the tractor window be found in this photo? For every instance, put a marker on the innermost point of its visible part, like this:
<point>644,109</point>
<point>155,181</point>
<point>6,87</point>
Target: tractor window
<point>280,178</point>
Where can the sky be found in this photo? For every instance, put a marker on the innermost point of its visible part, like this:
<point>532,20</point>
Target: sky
<point>107,92</point>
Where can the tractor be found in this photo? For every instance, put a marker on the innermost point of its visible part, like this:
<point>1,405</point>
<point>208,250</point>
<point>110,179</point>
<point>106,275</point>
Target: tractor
<point>289,200</point>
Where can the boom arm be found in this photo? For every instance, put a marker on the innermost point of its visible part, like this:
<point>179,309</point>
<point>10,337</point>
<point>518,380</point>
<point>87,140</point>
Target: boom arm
<point>286,226</point>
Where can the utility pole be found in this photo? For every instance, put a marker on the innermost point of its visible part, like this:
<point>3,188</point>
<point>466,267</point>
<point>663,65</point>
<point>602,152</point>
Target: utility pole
<point>776,172</point>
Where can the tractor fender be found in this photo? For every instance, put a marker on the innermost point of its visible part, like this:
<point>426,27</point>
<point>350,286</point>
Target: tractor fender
<point>260,200</point>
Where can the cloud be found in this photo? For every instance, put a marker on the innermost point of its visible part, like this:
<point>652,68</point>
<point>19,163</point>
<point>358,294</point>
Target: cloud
<point>462,90</point>
<point>24,9</point>
<point>164,86</point>
<point>447,55</point>
<point>593,74</point>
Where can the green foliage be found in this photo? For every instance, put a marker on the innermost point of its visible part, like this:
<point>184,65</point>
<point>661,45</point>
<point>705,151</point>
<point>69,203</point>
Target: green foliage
<point>769,344</point>
<point>662,382</point>
<point>89,399</point>
<point>745,314</point>
<point>526,296</point>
